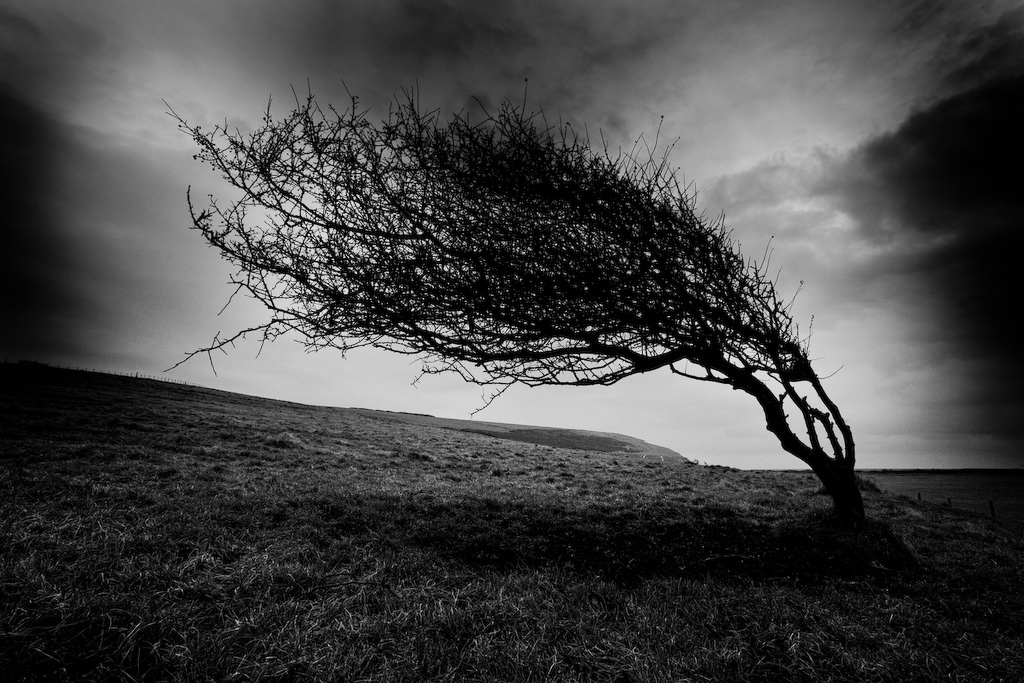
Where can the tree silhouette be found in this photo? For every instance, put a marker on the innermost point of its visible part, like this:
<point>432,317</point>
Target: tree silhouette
<point>507,251</point>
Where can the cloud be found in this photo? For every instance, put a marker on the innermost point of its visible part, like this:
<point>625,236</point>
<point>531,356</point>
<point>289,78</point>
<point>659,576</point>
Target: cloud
<point>933,205</point>
<point>95,256</point>
<point>943,189</point>
<point>983,53</point>
<point>37,295</point>
<point>921,229</point>
<point>22,41</point>
<point>940,197</point>
<point>946,170</point>
<point>576,56</point>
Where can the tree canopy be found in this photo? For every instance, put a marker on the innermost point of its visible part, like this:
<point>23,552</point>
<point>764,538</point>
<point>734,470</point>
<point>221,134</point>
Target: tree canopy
<point>507,250</point>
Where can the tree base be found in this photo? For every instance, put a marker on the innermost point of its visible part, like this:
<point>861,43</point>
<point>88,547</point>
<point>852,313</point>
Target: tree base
<point>847,502</point>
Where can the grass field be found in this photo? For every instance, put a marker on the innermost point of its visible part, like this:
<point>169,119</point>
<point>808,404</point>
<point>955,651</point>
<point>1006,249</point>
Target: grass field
<point>151,531</point>
<point>980,491</point>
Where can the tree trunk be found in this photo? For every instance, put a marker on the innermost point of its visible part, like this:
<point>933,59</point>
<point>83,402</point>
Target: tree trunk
<point>841,483</point>
<point>836,474</point>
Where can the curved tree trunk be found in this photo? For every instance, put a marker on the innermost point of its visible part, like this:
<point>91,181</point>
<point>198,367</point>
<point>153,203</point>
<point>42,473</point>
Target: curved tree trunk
<point>841,483</point>
<point>836,471</point>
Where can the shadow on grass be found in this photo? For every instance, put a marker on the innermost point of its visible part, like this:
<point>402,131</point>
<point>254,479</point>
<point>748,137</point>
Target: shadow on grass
<point>621,544</point>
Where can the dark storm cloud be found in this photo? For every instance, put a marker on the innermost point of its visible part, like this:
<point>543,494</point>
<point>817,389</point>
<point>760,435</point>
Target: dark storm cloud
<point>943,193</point>
<point>583,60</point>
<point>984,53</point>
<point>18,32</point>
<point>38,299</point>
<point>948,179</point>
<point>922,224</point>
<point>946,169</point>
<point>48,56</point>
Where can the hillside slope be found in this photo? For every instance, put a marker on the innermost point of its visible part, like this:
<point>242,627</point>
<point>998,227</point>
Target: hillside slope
<point>577,439</point>
<point>35,378</point>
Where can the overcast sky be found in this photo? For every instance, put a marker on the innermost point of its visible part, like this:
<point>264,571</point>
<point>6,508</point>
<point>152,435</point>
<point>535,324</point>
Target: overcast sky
<point>879,142</point>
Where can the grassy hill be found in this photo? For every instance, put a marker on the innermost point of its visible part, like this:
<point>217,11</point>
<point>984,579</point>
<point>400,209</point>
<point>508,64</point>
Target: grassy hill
<point>152,531</point>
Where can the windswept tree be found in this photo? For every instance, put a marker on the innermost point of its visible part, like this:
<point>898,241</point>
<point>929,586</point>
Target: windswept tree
<point>507,251</point>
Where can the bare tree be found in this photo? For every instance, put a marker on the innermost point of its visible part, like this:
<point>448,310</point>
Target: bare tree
<point>508,251</point>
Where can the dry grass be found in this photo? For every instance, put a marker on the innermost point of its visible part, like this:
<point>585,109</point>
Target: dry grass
<point>161,532</point>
